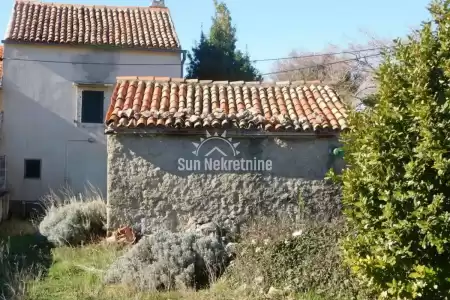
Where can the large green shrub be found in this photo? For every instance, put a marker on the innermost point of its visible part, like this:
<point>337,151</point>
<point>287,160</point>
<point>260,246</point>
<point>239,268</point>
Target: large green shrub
<point>396,190</point>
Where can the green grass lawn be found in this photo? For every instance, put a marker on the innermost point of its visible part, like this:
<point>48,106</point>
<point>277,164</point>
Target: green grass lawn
<point>75,273</point>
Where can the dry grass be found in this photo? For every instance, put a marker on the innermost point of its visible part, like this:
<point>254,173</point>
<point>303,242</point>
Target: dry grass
<point>294,258</point>
<point>22,259</point>
<point>17,227</point>
<point>72,219</point>
<point>76,273</point>
<point>31,270</point>
<point>66,196</point>
<point>17,265</point>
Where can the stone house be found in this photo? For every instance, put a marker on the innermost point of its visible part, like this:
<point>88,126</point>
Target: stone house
<point>60,66</point>
<point>182,150</point>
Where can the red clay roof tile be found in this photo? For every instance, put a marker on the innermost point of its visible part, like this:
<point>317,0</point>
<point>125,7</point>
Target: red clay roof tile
<point>133,27</point>
<point>179,103</point>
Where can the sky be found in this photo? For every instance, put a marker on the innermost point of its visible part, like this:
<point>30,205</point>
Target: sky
<point>272,29</point>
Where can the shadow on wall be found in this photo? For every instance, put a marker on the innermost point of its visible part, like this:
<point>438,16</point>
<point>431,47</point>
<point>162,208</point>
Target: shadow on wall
<point>41,130</point>
<point>90,72</point>
<point>305,158</point>
<point>26,210</point>
<point>96,73</point>
<point>43,136</point>
<point>99,64</point>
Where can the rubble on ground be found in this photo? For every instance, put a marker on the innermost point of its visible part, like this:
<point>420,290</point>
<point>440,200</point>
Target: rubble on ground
<point>123,235</point>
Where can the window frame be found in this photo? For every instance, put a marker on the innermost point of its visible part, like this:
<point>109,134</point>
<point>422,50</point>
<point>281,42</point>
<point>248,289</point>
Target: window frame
<point>25,168</point>
<point>107,92</point>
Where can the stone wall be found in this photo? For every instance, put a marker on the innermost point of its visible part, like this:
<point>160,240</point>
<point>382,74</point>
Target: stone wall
<point>148,188</point>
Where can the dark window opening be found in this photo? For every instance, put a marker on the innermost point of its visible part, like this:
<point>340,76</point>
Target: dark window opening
<point>32,168</point>
<point>92,106</point>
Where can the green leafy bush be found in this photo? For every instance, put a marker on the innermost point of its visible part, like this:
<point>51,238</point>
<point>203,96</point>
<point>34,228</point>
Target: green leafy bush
<point>397,188</point>
<point>72,220</point>
<point>168,261</point>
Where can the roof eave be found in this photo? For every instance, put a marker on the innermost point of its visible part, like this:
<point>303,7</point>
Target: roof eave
<point>230,132</point>
<point>103,47</point>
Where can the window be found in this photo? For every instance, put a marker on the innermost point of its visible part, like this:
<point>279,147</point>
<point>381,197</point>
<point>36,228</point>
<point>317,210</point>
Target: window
<point>92,106</point>
<point>32,169</point>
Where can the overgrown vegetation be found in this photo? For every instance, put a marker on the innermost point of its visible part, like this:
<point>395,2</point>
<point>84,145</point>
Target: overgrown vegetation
<point>22,259</point>
<point>77,273</point>
<point>186,265</point>
<point>397,190</point>
<point>72,219</point>
<point>294,259</point>
<point>168,261</point>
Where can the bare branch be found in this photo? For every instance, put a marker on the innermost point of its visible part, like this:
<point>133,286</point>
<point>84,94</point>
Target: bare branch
<point>353,78</point>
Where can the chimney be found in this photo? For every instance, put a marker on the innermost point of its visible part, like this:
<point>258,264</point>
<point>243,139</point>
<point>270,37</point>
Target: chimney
<point>158,3</point>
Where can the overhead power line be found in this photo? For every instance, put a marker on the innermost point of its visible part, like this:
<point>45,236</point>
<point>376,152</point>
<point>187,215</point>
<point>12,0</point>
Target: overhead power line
<point>86,63</point>
<point>320,54</point>
<point>320,65</point>
<point>172,64</point>
<point>264,74</point>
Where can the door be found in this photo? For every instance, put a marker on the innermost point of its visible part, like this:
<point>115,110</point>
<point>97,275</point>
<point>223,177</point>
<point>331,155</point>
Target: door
<point>86,165</point>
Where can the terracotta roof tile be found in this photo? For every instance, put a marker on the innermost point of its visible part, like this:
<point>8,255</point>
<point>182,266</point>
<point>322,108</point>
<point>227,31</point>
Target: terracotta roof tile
<point>178,103</point>
<point>136,27</point>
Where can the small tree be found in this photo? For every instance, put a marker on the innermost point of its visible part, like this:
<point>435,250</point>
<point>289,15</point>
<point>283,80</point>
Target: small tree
<point>215,57</point>
<point>397,189</point>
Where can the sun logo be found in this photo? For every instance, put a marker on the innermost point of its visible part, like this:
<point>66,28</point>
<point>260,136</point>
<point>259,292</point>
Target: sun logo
<point>216,136</point>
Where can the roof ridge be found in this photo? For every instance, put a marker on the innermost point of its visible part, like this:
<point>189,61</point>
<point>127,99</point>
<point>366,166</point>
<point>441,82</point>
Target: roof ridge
<point>294,83</point>
<point>57,4</point>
